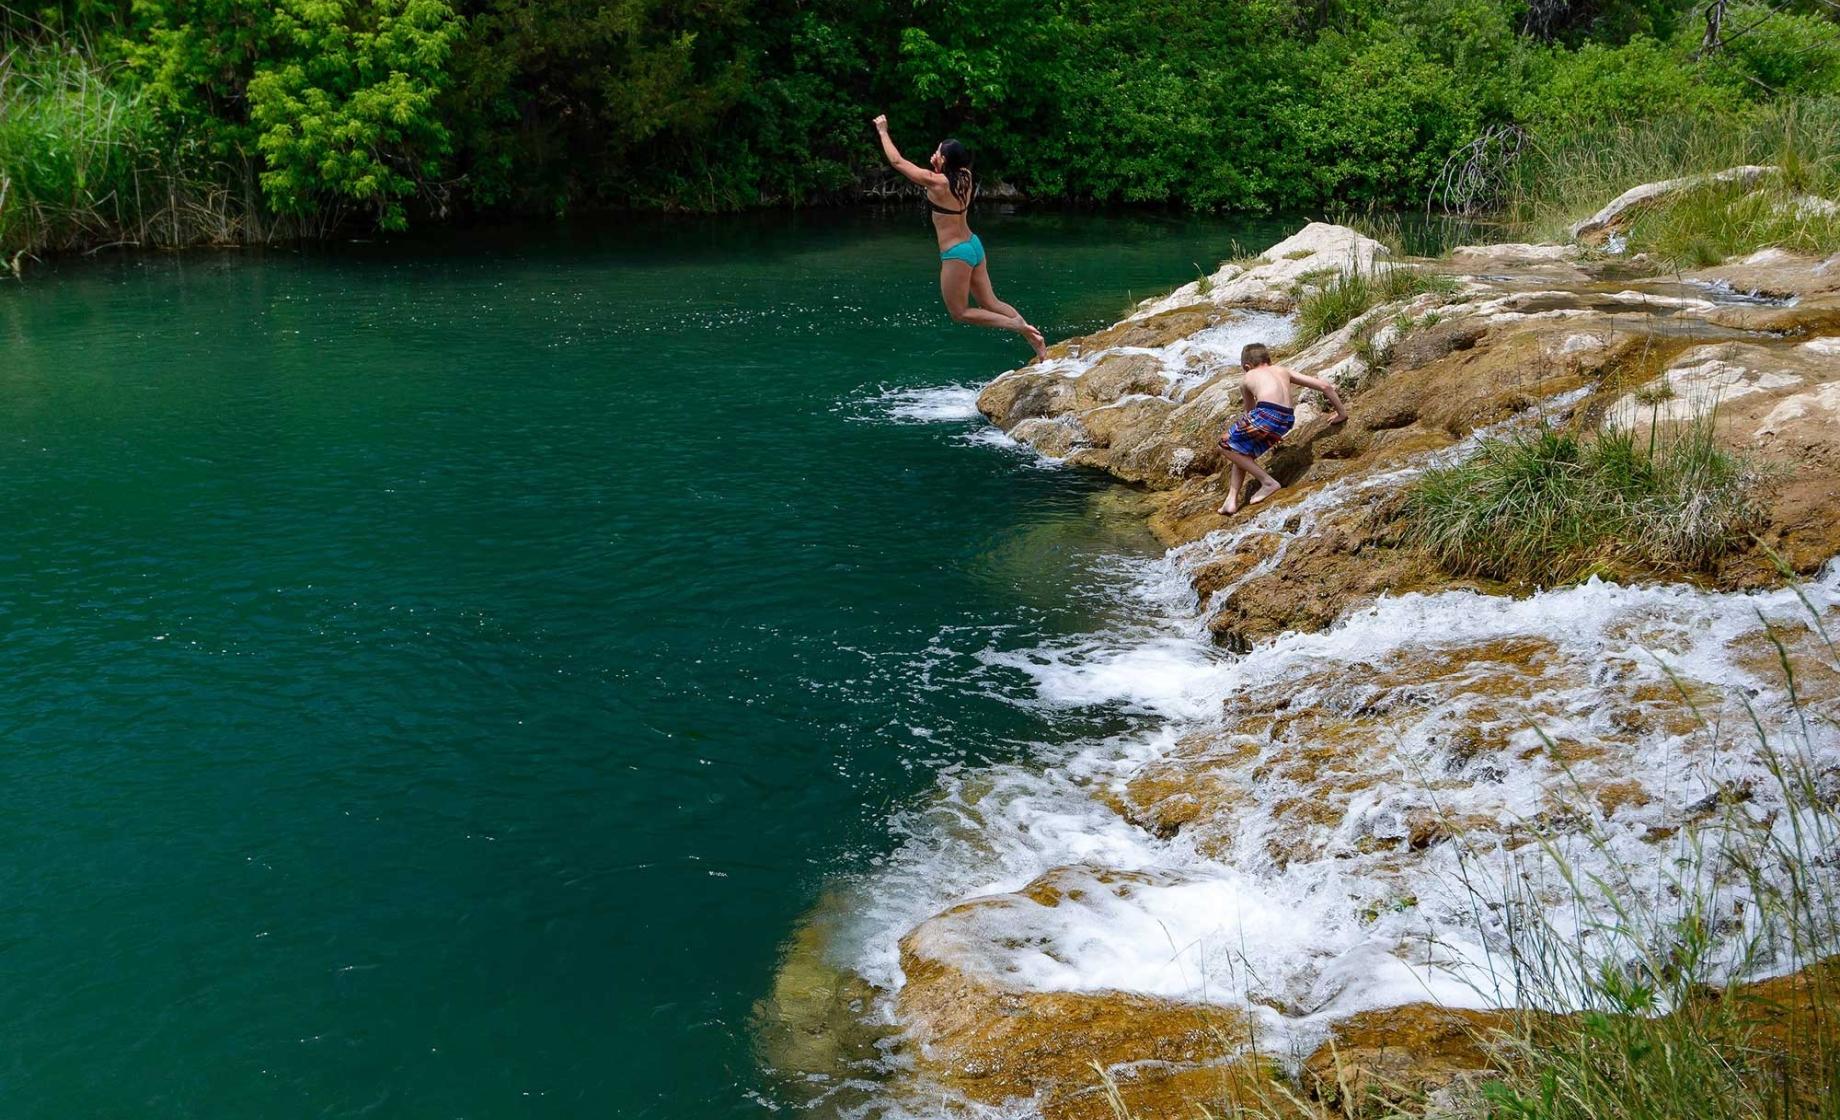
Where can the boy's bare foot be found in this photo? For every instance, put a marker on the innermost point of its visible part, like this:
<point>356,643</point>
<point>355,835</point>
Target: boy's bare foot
<point>1232,506</point>
<point>1265,490</point>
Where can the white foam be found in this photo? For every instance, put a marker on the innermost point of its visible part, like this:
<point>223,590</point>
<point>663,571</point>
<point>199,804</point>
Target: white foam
<point>1206,354</point>
<point>1187,362</point>
<point>938,404</point>
<point>1167,676</point>
<point>989,435</point>
<point>1303,918</point>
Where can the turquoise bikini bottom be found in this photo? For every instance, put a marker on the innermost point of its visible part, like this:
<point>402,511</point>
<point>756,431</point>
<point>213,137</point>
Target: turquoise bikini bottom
<point>971,252</point>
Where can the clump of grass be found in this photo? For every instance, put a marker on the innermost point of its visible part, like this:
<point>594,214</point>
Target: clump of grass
<point>1399,283</point>
<point>1705,226</point>
<point>1238,254</point>
<point>1375,355</point>
<point>1659,392</point>
<point>1204,282</point>
<point>1545,507</point>
<point>69,144</point>
<point>1384,226</point>
<point>85,161</point>
<point>1333,304</point>
<point>1344,297</point>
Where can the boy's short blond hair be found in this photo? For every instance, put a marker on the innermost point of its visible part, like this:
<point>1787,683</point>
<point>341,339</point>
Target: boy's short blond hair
<point>1254,355</point>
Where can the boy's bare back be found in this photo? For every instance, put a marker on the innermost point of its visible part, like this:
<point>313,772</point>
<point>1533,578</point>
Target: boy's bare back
<point>1270,383</point>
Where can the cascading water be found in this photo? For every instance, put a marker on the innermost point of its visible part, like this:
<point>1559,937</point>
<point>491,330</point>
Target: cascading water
<point>1347,820</point>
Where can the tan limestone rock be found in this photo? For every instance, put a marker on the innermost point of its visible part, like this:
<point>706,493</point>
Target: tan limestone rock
<point>974,1032</point>
<point>1378,1059</point>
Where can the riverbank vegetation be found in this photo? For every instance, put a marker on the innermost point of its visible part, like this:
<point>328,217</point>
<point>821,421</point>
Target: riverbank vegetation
<point>1563,176</point>
<point>85,160</point>
<point>1549,506</point>
<point>297,115</point>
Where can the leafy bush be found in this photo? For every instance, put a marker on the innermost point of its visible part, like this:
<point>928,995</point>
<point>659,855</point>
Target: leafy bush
<point>1782,53</point>
<point>1640,80</point>
<point>338,101</point>
<point>347,109</point>
<point>1545,507</point>
<point>393,107</point>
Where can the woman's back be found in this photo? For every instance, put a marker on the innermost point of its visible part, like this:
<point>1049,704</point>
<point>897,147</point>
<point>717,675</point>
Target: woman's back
<point>950,211</point>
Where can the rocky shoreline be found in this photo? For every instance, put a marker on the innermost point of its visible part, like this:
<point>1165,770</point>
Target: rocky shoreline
<point>1146,399</point>
<point>1444,717</point>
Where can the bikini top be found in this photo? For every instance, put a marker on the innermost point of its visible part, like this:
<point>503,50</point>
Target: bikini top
<point>938,209</point>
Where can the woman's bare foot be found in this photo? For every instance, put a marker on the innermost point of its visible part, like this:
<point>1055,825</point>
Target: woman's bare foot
<point>1036,342</point>
<point>1265,490</point>
<point>1035,339</point>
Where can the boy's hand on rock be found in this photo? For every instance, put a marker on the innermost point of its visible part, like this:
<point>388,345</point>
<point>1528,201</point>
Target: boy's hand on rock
<point>1340,417</point>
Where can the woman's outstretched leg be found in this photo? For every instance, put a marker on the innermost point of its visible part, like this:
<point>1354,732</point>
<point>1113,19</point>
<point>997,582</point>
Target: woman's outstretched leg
<point>987,297</point>
<point>955,287</point>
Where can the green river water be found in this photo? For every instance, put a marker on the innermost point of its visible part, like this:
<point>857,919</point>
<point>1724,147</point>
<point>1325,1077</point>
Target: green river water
<point>438,675</point>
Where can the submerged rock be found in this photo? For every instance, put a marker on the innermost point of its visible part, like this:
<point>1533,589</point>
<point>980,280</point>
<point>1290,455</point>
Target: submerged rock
<point>816,1026</point>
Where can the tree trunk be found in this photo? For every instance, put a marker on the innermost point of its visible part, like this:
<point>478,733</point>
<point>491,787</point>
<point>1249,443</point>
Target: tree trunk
<point>1715,23</point>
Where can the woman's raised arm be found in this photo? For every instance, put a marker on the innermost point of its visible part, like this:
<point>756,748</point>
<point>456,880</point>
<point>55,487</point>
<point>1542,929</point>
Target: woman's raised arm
<point>901,163</point>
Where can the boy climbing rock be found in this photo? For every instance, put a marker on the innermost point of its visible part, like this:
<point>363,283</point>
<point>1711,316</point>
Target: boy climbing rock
<point>1268,418</point>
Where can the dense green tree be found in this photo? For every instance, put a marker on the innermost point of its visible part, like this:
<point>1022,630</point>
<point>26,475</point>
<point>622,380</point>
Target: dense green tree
<point>394,107</point>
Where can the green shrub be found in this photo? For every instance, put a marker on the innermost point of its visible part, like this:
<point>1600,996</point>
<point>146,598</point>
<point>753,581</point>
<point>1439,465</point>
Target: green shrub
<point>1640,80</point>
<point>387,107</point>
<point>346,109</point>
<point>1547,506</point>
<point>1782,53</point>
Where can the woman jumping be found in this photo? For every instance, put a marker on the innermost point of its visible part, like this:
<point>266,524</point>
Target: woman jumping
<point>964,273</point>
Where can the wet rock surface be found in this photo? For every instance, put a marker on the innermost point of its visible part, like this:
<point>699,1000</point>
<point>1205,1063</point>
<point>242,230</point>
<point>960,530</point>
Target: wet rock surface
<point>987,1040</point>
